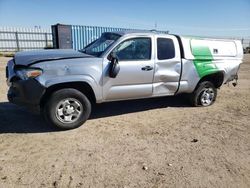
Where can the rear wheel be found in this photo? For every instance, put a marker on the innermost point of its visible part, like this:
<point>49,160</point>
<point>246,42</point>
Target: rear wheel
<point>67,109</point>
<point>204,95</point>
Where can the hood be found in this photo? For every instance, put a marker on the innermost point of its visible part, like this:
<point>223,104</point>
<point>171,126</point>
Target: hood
<point>32,57</point>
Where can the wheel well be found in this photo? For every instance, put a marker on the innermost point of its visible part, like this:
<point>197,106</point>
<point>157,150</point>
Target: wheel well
<point>83,87</point>
<point>216,78</point>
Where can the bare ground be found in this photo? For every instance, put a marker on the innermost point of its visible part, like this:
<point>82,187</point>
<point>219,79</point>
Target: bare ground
<point>142,143</point>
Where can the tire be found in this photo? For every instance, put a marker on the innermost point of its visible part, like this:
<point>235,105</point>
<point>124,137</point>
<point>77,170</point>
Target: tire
<point>67,109</point>
<point>204,95</point>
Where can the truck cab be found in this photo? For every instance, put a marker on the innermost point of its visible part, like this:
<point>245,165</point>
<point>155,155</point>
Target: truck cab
<point>145,70</point>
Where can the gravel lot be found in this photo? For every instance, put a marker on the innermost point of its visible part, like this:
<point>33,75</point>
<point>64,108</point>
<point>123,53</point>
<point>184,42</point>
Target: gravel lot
<point>158,142</point>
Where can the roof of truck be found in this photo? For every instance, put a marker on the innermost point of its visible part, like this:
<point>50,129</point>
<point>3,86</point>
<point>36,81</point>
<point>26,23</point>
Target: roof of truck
<point>155,32</point>
<point>125,32</point>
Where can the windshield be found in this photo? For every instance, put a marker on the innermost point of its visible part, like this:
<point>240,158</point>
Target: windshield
<point>97,47</point>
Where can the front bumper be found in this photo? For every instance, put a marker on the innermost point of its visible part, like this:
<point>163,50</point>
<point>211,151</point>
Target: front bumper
<point>26,93</point>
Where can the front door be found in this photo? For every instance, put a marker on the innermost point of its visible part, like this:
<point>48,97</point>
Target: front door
<point>136,70</point>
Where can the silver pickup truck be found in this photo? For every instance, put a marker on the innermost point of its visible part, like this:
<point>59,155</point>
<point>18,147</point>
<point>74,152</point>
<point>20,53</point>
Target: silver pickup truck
<point>63,84</point>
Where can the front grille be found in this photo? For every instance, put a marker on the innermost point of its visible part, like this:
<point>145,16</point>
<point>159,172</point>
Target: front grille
<point>7,72</point>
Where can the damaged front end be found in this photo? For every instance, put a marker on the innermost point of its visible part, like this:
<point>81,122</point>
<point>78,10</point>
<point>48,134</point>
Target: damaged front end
<point>24,89</point>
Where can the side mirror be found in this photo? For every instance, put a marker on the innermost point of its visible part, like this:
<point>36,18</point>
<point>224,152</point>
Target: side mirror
<point>114,68</point>
<point>111,56</point>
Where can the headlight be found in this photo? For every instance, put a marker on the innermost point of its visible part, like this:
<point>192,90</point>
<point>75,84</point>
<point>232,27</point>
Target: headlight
<point>24,74</point>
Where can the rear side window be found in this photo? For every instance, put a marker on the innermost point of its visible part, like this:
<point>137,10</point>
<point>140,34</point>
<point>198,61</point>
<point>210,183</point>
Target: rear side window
<point>165,49</point>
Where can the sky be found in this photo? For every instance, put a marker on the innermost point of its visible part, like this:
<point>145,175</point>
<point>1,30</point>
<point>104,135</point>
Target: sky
<point>185,17</point>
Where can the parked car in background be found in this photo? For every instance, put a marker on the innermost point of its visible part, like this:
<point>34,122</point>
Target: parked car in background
<point>247,50</point>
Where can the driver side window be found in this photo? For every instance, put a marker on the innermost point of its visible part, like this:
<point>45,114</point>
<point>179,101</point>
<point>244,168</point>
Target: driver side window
<point>134,49</point>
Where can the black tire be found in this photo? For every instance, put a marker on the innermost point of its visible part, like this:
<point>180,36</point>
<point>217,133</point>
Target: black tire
<point>67,99</point>
<point>204,95</point>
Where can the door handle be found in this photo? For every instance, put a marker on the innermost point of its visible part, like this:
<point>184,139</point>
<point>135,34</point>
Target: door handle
<point>147,68</point>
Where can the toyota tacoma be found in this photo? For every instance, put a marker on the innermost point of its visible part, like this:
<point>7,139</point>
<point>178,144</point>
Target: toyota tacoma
<point>64,84</point>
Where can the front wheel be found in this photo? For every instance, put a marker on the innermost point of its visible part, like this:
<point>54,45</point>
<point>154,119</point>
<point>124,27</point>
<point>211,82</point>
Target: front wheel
<point>67,109</point>
<point>204,95</point>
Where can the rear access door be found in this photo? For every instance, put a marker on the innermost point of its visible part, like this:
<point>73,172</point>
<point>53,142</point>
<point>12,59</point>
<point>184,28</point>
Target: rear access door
<point>167,65</point>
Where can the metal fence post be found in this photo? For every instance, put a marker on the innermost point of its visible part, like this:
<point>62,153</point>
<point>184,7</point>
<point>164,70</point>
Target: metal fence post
<point>17,41</point>
<point>46,40</point>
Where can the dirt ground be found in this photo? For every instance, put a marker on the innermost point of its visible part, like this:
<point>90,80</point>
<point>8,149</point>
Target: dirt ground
<point>141,143</point>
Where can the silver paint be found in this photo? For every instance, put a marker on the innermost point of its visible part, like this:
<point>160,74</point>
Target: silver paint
<point>131,81</point>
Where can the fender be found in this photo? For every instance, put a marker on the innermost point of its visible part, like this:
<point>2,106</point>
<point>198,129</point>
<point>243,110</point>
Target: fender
<point>216,77</point>
<point>75,78</point>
